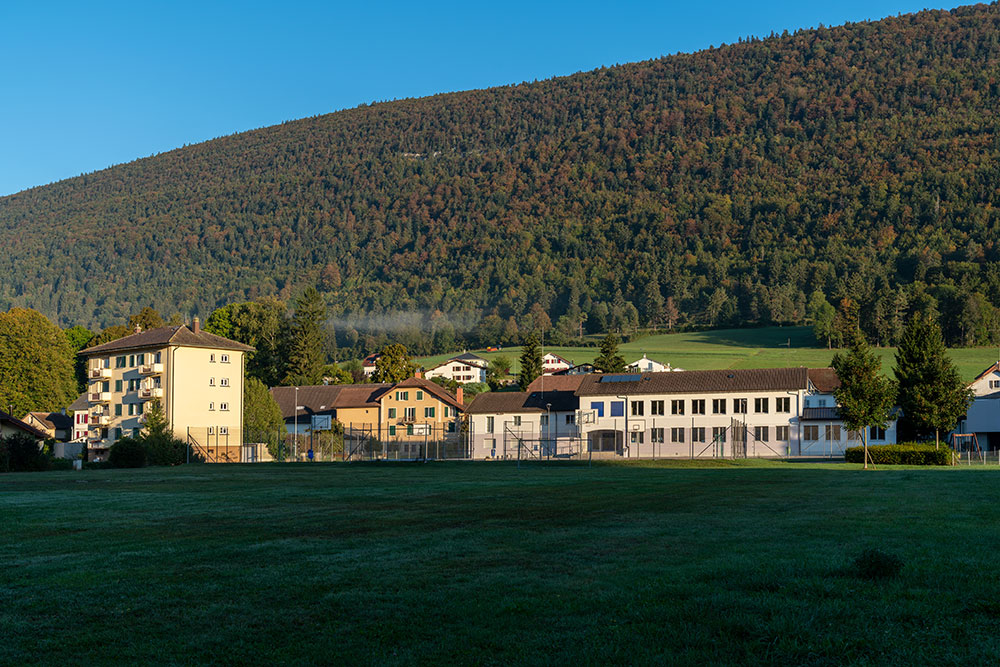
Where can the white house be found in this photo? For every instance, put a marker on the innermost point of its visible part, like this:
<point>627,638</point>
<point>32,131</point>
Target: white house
<point>79,410</point>
<point>539,422</point>
<point>553,363</point>
<point>368,364</point>
<point>772,412</point>
<point>647,365</point>
<point>463,369</point>
<point>983,416</point>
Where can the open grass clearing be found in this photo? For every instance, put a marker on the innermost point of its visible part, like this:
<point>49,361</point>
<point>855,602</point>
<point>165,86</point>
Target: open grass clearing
<point>483,563</point>
<point>765,347</point>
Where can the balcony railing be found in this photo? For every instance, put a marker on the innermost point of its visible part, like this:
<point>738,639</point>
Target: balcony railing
<point>151,369</point>
<point>101,420</point>
<point>100,396</point>
<point>147,393</point>
<point>100,373</point>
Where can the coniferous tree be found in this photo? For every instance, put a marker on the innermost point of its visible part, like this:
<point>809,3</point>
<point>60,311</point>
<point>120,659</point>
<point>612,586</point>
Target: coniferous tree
<point>609,361</point>
<point>531,361</point>
<point>865,397</point>
<point>78,338</point>
<point>932,395</point>
<point>306,340</point>
<point>156,426</point>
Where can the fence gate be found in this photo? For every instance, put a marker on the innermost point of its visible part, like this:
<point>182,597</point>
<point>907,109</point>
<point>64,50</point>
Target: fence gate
<point>738,430</point>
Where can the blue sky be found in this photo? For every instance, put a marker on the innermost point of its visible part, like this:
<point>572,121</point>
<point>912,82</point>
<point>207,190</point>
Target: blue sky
<point>84,85</point>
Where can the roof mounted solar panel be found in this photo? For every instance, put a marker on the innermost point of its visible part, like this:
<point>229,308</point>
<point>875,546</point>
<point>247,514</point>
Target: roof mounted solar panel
<point>632,377</point>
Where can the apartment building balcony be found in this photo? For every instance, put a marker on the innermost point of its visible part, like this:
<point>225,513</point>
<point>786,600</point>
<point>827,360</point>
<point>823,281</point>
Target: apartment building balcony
<point>149,393</point>
<point>100,373</point>
<point>151,369</point>
<point>99,396</point>
<point>100,420</point>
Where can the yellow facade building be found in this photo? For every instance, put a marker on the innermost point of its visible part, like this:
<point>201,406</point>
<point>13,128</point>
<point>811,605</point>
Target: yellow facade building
<point>197,377</point>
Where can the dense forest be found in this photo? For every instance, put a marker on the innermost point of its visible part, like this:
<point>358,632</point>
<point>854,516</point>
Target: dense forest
<point>754,183</point>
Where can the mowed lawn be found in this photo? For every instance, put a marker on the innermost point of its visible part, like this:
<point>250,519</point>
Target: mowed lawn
<point>485,563</point>
<point>765,347</point>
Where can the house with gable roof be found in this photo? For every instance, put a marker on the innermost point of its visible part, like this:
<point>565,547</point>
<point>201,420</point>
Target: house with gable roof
<point>463,369</point>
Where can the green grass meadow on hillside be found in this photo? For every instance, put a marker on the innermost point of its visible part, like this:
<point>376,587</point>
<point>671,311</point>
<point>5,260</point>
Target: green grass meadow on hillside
<point>695,563</point>
<point>765,347</point>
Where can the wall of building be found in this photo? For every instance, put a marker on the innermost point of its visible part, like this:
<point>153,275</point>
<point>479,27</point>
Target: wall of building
<point>204,398</point>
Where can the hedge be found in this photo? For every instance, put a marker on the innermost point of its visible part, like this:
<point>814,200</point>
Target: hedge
<point>909,453</point>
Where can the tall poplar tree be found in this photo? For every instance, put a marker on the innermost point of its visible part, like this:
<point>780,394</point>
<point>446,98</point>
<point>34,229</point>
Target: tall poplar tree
<point>306,354</point>
<point>865,397</point>
<point>931,392</point>
<point>531,361</point>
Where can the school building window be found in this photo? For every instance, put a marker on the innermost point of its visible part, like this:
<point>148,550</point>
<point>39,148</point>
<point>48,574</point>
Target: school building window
<point>698,406</point>
<point>637,408</point>
<point>718,406</point>
<point>677,407</point>
<point>656,408</point>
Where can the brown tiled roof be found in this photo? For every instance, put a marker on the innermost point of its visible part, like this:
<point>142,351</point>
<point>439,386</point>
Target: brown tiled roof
<point>501,401</point>
<point>556,383</point>
<point>10,420</point>
<point>162,336</point>
<point>824,379</point>
<point>432,388</point>
<point>989,370</point>
<point>52,420</point>
<point>690,382</point>
<point>81,403</point>
<point>326,398</point>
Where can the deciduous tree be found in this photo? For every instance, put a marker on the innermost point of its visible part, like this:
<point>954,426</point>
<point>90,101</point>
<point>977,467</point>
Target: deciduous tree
<point>865,396</point>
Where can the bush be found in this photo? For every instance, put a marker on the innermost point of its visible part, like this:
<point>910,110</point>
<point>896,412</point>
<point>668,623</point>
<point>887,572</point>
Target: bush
<point>163,450</point>
<point>127,453</point>
<point>21,453</point>
<point>876,564</point>
<point>910,453</point>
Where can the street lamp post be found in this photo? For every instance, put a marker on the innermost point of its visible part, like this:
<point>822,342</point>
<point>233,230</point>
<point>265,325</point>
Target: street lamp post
<point>548,428</point>
<point>295,454</point>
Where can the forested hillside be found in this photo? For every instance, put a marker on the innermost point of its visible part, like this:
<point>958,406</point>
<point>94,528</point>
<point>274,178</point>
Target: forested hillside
<point>723,187</point>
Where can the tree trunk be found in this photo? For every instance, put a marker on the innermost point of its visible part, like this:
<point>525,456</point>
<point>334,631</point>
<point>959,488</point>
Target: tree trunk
<point>864,439</point>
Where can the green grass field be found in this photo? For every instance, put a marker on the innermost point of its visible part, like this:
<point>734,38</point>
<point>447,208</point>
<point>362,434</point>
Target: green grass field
<point>768,347</point>
<point>672,562</point>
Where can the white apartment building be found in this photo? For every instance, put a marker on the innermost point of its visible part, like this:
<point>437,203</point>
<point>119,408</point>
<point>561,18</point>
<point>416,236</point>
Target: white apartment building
<point>196,376</point>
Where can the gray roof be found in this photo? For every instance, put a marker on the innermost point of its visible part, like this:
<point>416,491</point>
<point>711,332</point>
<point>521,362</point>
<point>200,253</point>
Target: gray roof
<point>692,382</point>
<point>162,336</point>
<point>523,401</point>
<point>468,356</point>
<point>820,414</point>
<point>81,403</point>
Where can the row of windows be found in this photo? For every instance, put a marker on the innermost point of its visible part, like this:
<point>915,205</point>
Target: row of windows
<point>133,360</point>
<point>411,413</point>
<point>224,358</point>
<point>224,407</point>
<point>782,404</point>
<point>405,395</point>
<point>697,434</point>
<point>223,382</point>
<point>222,430</point>
<point>516,421</point>
<point>133,409</point>
<point>419,429</point>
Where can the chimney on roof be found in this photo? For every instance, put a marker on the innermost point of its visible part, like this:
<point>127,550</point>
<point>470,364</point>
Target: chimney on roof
<point>418,374</point>
<point>196,325</point>
<point>459,396</point>
<point>138,328</point>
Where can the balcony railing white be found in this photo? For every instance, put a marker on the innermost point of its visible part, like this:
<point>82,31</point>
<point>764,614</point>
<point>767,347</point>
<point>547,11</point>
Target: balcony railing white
<point>147,393</point>
<point>151,369</point>
<point>100,373</point>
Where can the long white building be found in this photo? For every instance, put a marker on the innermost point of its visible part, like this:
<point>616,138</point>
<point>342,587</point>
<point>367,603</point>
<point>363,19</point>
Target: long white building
<point>758,413</point>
